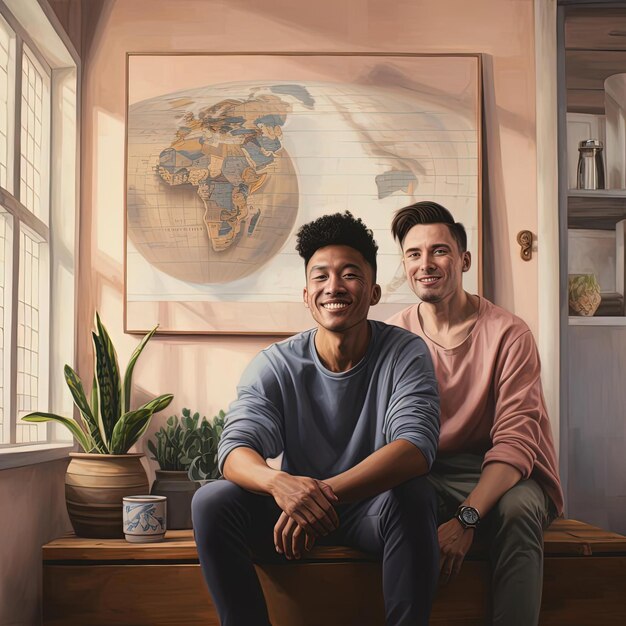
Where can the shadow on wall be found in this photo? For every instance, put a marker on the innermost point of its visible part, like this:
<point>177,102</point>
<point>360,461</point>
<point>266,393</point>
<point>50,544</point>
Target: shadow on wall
<point>494,216</point>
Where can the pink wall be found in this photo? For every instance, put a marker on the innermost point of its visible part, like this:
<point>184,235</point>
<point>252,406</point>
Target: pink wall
<point>33,513</point>
<point>202,371</point>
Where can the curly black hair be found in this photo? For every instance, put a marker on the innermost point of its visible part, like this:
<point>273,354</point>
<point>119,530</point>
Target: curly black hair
<point>339,229</point>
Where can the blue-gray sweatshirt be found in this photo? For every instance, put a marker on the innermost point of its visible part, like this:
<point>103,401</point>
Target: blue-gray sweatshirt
<point>327,422</point>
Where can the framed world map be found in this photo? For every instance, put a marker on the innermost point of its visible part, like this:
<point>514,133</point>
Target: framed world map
<point>228,155</point>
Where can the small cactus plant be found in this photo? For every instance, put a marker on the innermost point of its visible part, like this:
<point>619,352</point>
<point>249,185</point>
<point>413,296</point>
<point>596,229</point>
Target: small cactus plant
<point>189,444</point>
<point>204,464</point>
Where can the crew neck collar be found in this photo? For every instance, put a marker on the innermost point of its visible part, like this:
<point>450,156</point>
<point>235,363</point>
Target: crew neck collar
<point>466,340</point>
<point>353,370</point>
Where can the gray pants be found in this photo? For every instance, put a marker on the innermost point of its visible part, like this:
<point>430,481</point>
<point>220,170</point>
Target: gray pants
<point>513,530</point>
<point>400,526</point>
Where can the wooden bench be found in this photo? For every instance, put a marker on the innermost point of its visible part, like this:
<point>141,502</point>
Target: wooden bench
<point>111,582</point>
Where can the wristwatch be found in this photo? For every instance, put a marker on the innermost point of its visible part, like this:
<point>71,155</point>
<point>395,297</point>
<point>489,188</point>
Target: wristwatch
<point>468,516</point>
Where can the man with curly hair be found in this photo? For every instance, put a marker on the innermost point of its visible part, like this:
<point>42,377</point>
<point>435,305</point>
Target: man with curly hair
<point>352,405</point>
<point>496,472</point>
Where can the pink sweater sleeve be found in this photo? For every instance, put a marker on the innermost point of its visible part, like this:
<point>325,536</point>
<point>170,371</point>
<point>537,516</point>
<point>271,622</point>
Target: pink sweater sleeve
<point>519,406</point>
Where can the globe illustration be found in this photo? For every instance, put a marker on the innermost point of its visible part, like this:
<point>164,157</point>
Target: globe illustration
<point>212,192</point>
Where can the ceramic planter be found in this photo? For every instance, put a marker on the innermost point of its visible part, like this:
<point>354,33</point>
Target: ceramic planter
<point>179,490</point>
<point>94,487</point>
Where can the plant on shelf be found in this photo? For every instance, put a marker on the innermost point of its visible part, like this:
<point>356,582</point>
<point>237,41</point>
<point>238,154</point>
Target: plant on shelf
<point>105,430</point>
<point>203,465</point>
<point>175,442</point>
<point>186,450</point>
<point>186,443</point>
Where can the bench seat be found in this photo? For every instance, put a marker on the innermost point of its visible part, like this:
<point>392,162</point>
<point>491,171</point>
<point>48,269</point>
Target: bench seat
<point>112,582</point>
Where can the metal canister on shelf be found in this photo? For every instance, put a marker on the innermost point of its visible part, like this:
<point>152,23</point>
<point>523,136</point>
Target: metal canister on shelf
<point>590,165</point>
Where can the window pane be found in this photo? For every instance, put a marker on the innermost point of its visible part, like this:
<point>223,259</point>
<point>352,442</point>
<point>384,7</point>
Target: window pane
<point>35,125</point>
<point>29,314</point>
<point>5,324</point>
<point>7,79</point>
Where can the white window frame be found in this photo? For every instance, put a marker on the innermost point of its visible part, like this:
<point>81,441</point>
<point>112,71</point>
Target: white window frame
<point>35,25</point>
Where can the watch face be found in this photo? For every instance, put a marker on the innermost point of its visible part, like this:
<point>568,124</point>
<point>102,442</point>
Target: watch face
<point>470,516</point>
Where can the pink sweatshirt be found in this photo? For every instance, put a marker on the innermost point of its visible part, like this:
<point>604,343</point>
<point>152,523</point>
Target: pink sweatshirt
<point>491,396</point>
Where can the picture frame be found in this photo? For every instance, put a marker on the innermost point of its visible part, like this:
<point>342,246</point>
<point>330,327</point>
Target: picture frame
<point>227,155</point>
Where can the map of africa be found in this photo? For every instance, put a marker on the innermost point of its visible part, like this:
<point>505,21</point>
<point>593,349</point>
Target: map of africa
<point>213,197</point>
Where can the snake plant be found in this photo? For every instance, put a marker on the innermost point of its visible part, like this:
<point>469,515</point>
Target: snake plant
<point>107,425</point>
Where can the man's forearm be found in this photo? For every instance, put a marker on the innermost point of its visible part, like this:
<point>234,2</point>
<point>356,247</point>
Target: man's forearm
<point>247,468</point>
<point>496,479</point>
<point>308,501</point>
<point>384,469</point>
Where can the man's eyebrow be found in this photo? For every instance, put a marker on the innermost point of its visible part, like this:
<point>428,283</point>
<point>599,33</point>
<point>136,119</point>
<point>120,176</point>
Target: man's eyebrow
<point>435,245</point>
<point>352,266</point>
<point>323,266</point>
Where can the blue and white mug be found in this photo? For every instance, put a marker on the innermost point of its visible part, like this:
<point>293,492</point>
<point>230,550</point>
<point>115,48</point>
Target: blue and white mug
<point>144,518</point>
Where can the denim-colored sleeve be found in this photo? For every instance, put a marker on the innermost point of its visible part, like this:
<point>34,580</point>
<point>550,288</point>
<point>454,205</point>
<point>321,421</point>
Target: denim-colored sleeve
<point>413,410</point>
<point>254,420</point>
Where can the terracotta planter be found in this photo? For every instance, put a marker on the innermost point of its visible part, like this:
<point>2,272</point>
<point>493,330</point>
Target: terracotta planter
<point>94,487</point>
<point>179,490</point>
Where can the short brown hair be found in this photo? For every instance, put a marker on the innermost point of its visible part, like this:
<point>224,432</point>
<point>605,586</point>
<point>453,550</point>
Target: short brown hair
<point>427,212</point>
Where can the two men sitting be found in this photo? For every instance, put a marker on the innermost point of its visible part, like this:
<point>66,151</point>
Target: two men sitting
<point>371,457</point>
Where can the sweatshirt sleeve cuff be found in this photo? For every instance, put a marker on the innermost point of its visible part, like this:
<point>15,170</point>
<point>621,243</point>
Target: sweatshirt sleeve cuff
<point>519,457</point>
<point>423,446</point>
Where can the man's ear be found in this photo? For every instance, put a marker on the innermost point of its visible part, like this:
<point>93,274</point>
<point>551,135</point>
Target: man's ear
<point>376,295</point>
<point>467,261</point>
<point>304,297</point>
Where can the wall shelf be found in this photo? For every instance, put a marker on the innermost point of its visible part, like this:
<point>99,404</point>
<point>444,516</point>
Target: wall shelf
<point>575,320</point>
<point>598,209</point>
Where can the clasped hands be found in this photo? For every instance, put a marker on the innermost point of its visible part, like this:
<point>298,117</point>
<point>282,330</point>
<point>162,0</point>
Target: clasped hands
<point>307,513</point>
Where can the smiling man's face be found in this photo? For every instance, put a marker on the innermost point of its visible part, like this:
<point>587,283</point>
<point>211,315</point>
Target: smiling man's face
<point>339,288</point>
<point>433,262</point>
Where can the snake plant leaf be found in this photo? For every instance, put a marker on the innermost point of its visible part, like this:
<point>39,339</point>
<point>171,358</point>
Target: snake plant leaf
<point>95,410</point>
<point>107,374</point>
<point>159,403</point>
<point>152,449</point>
<point>78,393</point>
<point>82,437</point>
<point>128,429</point>
<point>133,424</point>
<point>128,376</point>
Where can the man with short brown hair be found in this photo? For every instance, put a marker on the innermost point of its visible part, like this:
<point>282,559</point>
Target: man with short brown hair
<point>496,468</point>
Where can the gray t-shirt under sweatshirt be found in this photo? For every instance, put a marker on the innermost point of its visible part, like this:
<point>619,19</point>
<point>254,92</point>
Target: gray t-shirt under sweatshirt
<point>327,422</point>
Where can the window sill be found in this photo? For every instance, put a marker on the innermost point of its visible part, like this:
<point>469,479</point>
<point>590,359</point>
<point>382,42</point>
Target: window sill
<point>19,456</point>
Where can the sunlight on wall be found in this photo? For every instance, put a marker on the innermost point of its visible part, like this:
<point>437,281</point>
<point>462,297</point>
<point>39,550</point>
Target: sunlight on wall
<point>108,186</point>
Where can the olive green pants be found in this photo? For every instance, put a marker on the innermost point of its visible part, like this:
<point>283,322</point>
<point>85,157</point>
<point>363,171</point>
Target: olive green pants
<point>512,530</point>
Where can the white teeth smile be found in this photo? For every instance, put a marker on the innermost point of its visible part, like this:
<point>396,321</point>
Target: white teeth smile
<point>335,305</point>
<point>430,279</point>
